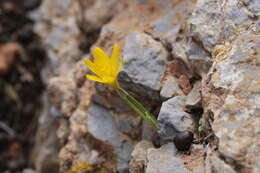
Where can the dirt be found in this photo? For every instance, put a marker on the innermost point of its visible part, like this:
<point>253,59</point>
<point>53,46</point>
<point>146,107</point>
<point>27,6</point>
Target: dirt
<point>21,60</point>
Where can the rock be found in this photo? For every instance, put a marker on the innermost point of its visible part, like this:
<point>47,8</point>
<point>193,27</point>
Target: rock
<point>185,84</point>
<point>28,170</point>
<point>59,32</point>
<point>173,119</point>
<point>183,140</point>
<point>194,97</point>
<point>93,19</point>
<point>8,56</point>
<point>47,145</point>
<point>253,6</point>
<point>169,23</point>
<point>195,160</point>
<point>205,23</point>
<point>179,69</point>
<point>198,58</point>
<point>144,60</point>
<point>62,94</point>
<point>102,117</point>
<point>216,165</point>
<point>213,22</point>
<point>139,154</point>
<point>129,125</point>
<point>161,42</point>
<point>30,4</point>
<point>148,131</point>
<point>164,160</point>
<point>170,88</point>
<point>231,96</point>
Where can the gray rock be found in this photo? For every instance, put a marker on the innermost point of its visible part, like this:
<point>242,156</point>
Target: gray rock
<point>231,94</point>
<point>101,125</point>
<point>165,28</point>
<point>198,58</point>
<point>173,119</point>
<point>62,93</point>
<point>148,131</point>
<point>28,170</point>
<point>219,166</point>
<point>205,23</point>
<point>47,145</point>
<point>57,26</point>
<point>236,14</point>
<point>164,160</point>
<point>194,97</point>
<point>213,22</point>
<point>169,24</point>
<point>170,88</point>
<point>94,18</point>
<point>253,6</point>
<point>139,157</point>
<point>127,125</point>
<point>144,60</point>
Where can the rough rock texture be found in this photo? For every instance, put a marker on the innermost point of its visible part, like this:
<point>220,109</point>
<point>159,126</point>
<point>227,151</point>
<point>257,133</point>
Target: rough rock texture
<point>152,63</point>
<point>170,88</point>
<point>166,157</point>
<point>235,106</point>
<point>173,119</point>
<point>231,89</point>
<point>139,157</point>
<point>200,58</point>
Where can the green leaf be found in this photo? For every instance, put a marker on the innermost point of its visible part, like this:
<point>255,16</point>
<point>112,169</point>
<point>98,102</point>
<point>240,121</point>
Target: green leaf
<point>137,106</point>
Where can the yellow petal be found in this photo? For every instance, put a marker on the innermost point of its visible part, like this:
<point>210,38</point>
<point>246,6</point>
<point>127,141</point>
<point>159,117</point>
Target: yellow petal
<point>114,57</point>
<point>109,80</point>
<point>100,57</point>
<point>94,78</point>
<point>93,67</point>
<point>120,65</point>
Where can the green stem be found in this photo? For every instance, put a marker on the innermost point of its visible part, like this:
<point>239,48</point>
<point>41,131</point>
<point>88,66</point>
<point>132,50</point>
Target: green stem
<point>137,106</point>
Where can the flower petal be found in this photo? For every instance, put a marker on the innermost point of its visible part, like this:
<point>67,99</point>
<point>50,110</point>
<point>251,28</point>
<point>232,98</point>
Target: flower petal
<point>109,80</point>
<point>94,78</point>
<point>93,67</point>
<point>100,57</point>
<point>114,57</point>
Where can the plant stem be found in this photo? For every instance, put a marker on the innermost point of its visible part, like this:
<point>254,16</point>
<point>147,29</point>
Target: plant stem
<point>137,106</point>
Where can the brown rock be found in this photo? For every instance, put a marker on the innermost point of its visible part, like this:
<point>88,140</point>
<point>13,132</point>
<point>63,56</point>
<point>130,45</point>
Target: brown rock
<point>8,53</point>
<point>178,68</point>
<point>184,83</point>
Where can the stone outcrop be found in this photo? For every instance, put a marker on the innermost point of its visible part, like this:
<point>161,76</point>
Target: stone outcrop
<point>187,61</point>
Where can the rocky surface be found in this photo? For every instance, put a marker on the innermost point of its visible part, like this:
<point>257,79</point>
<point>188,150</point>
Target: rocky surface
<point>170,88</point>
<point>173,119</point>
<point>153,60</point>
<point>187,61</point>
<point>139,157</point>
<point>166,157</point>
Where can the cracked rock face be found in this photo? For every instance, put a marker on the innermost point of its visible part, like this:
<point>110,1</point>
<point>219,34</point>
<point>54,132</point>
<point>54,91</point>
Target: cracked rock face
<point>144,60</point>
<point>185,60</point>
<point>139,157</point>
<point>173,119</point>
<point>236,119</point>
<point>101,125</point>
<point>166,157</point>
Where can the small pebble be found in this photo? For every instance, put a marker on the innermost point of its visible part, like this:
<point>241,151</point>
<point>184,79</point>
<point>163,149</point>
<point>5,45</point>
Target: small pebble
<point>183,140</point>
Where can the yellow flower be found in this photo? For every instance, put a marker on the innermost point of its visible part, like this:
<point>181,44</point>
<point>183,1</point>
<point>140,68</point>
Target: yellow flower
<point>106,68</point>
